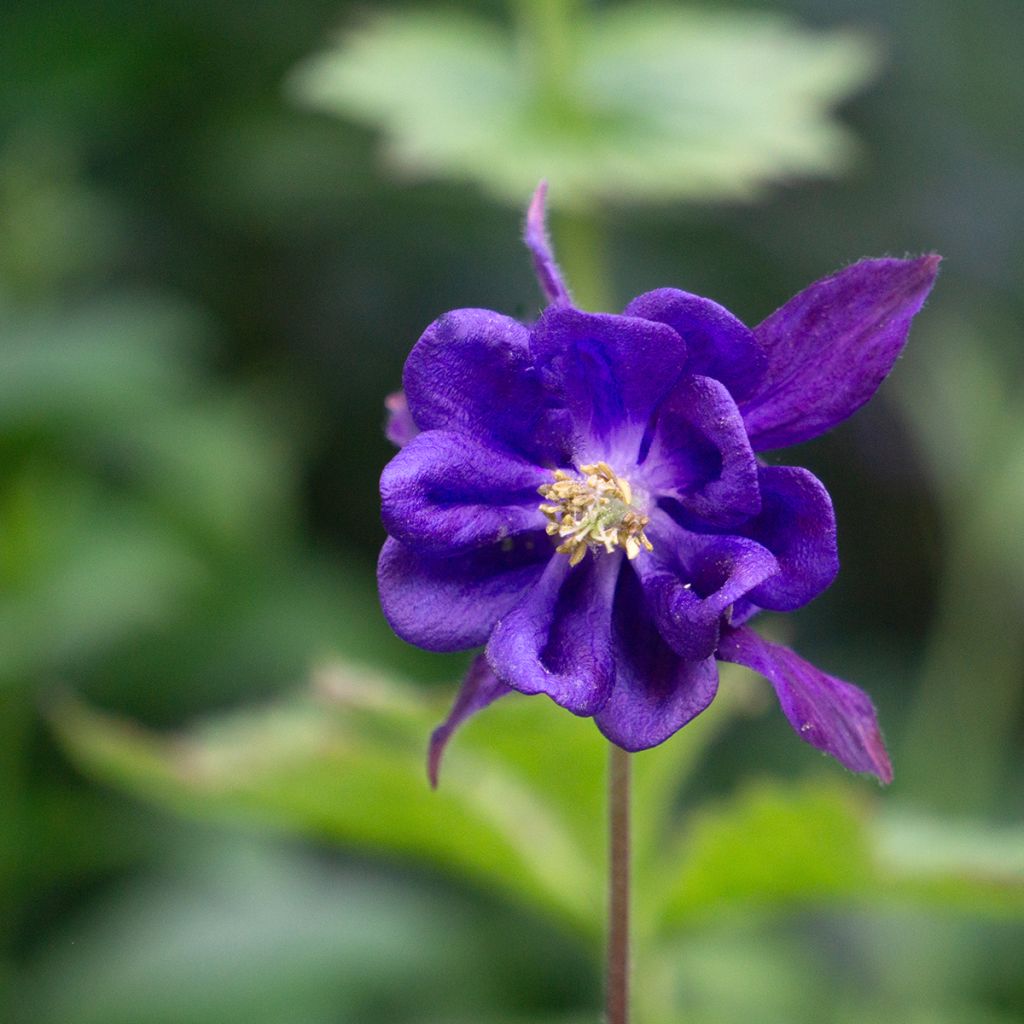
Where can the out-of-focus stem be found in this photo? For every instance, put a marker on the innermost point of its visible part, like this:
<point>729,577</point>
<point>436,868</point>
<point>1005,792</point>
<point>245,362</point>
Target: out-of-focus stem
<point>546,31</point>
<point>618,885</point>
<point>969,695</point>
<point>582,253</point>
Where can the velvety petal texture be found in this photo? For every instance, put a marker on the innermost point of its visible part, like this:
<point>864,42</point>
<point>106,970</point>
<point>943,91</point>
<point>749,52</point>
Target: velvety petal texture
<point>717,344</point>
<point>445,491</point>
<point>558,639</point>
<point>581,497</point>
<point>471,372</point>
<point>691,581</point>
<point>452,601</point>
<point>699,454</point>
<point>831,715</point>
<point>830,347</point>
<point>797,525</point>
<point>610,372</point>
<point>656,691</point>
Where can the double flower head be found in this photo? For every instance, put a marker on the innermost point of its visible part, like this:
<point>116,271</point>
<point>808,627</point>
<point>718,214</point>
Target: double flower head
<point>584,499</point>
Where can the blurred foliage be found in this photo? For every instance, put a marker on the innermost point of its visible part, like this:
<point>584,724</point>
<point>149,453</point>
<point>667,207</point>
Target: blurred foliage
<point>205,289</point>
<point>640,102</point>
<point>327,763</point>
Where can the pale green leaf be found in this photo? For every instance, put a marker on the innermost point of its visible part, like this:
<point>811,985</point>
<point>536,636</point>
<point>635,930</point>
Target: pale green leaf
<point>663,103</point>
<point>348,764</point>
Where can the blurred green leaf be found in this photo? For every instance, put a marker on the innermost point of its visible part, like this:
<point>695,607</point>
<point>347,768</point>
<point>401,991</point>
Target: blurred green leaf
<point>954,864</point>
<point>770,846</point>
<point>815,845</point>
<point>234,932</point>
<point>520,807</point>
<point>349,764</point>
<point>663,103</point>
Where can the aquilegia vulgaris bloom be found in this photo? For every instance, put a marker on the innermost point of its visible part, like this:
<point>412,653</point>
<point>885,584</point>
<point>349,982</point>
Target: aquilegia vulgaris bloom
<point>583,497</point>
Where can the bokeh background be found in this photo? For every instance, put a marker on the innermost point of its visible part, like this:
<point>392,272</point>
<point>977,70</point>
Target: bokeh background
<point>222,226</point>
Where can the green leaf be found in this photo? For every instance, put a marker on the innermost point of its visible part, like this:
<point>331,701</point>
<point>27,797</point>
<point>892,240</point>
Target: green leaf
<point>773,847</point>
<point>244,933</point>
<point>662,103</point>
<point>347,763</point>
<point>770,847</point>
<point>953,864</point>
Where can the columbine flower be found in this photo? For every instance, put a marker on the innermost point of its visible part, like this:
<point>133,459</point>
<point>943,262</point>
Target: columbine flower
<point>583,497</point>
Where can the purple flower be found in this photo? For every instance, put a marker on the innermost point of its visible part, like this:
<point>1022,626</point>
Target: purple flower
<point>583,497</point>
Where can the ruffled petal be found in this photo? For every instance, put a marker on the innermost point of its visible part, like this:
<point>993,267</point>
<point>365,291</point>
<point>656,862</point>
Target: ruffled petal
<point>480,688</point>
<point>446,491</point>
<point>535,235</point>
<point>558,639</point>
<point>717,344</point>
<point>656,692</point>
<point>690,581</point>
<point>610,372</point>
<point>831,346</point>
<point>831,715</point>
<point>700,455</point>
<point>797,525</point>
<point>451,602</point>
<point>472,372</point>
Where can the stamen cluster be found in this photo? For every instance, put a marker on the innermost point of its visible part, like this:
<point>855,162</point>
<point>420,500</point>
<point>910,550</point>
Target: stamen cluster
<point>593,512</point>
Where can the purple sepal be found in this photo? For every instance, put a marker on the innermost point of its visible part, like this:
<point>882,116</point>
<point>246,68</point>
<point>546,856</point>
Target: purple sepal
<point>830,347</point>
<point>447,492</point>
<point>610,372</point>
<point>558,639</point>
<point>535,235</point>
<point>831,715</point>
<point>717,344</point>
<point>480,688</point>
<point>656,692</point>
<point>400,428</point>
<point>450,602</point>
<point>699,454</point>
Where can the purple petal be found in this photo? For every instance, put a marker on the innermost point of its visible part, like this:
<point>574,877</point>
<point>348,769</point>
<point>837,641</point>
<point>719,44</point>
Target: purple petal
<point>831,346</point>
<point>401,427</point>
<point>690,581</point>
<point>611,372</point>
<point>472,372</point>
<point>480,688</point>
<point>717,344</point>
<point>536,238</point>
<point>826,712</point>
<point>656,692</point>
<point>557,640</point>
<point>700,455</point>
<point>446,491</point>
<point>798,526</point>
<point>451,602</point>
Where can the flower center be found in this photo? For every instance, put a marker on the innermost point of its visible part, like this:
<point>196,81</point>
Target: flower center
<point>593,511</point>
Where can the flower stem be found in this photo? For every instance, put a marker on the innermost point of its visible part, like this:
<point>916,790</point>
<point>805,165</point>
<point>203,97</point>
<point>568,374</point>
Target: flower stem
<point>618,885</point>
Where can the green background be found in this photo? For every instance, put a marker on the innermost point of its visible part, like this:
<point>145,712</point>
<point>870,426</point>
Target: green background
<point>222,227</point>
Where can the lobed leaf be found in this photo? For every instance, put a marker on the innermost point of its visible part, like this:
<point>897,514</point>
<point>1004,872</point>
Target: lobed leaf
<point>664,104</point>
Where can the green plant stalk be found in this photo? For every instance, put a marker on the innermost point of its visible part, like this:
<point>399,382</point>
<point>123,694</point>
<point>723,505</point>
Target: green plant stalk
<point>546,34</point>
<point>618,885</point>
<point>961,726</point>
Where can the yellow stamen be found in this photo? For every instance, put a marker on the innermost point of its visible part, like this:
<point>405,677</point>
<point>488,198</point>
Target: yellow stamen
<point>594,512</point>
